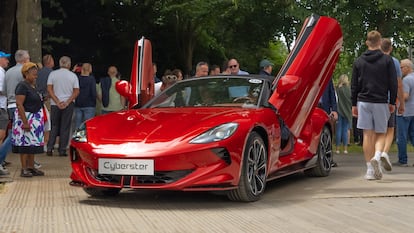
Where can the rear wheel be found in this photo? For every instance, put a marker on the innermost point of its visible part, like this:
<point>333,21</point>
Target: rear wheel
<point>253,174</point>
<point>325,156</point>
<point>99,192</point>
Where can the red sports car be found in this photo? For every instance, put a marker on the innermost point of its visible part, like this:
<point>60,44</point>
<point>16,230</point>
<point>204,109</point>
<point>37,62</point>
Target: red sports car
<point>217,133</point>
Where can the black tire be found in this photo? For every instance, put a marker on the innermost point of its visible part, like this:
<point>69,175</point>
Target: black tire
<point>253,172</point>
<point>102,192</point>
<point>325,156</point>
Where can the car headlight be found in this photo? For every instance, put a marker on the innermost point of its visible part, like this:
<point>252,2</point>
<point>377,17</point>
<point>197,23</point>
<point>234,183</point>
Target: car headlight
<point>80,134</point>
<point>216,134</point>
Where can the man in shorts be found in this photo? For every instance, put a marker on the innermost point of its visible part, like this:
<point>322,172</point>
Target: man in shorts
<point>4,116</point>
<point>386,47</point>
<point>374,92</point>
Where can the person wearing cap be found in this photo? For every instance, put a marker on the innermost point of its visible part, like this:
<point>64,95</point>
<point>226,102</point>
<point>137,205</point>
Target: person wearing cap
<point>266,67</point>
<point>4,116</point>
<point>27,138</point>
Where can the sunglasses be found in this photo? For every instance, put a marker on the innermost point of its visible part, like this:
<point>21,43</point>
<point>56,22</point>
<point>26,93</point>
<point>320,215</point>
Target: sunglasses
<point>233,66</point>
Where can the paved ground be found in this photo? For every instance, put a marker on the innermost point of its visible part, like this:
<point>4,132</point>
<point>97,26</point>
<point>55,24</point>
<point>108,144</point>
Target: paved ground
<point>342,202</point>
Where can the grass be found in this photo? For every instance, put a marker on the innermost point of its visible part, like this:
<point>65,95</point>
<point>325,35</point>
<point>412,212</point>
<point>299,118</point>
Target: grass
<point>357,148</point>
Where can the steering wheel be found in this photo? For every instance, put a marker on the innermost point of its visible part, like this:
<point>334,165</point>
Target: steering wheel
<point>243,99</point>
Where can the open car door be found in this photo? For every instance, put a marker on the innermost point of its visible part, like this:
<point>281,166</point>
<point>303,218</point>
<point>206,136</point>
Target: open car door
<point>140,89</point>
<point>302,79</point>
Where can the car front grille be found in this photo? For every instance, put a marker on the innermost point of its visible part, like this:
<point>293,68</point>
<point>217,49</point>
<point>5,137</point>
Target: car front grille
<point>159,178</point>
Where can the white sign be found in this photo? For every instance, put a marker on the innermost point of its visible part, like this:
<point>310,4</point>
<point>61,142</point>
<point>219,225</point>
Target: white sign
<point>126,166</point>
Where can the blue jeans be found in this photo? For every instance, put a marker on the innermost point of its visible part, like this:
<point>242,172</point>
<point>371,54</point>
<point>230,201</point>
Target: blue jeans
<point>6,147</point>
<point>405,131</point>
<point>342,126</point>
<point>82,114</point>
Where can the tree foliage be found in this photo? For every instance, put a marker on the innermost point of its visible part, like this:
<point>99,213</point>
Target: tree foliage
<point>184,32</point>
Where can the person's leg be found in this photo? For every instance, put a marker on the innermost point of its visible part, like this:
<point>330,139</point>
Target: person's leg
<point>389,139</point>
<point>25,172</point>
<point>31,166</point>
<point>55,116</point>
<point>345,127</point>
<point>78,116</point>
<point>402,135</point>
<point>30,161</point>
<point>379,141</point>
<point>65,128</point>
<point>348,134</point>
<point>368,145</point>
<point>410,130</point>
<point>2,135</point>
<point>355,130</point>
<point>89,112</point>
<point>338,133</point>
<point>5,148</point>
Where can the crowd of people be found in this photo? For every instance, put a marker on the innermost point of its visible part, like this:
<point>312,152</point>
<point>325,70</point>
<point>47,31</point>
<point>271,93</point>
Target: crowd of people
<point>373,106</point>
<point>48,104</point>
<point>40,106</point>
<point>378,80</point>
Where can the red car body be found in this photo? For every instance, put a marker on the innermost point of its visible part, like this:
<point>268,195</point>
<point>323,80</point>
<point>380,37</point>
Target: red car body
<point>181,140</point>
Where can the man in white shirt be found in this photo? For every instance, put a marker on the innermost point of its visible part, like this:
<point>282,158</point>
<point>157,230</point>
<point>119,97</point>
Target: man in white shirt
<point>63,88</point>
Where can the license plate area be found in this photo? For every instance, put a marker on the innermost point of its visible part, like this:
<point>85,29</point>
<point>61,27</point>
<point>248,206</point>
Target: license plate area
<point>126,166</point>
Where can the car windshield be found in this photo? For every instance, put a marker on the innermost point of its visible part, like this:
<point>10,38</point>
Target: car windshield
<point>211,91</point>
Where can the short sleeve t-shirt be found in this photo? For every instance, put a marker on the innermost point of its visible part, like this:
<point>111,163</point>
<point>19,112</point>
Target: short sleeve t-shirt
<point>32,102</point>
<point>408,84</point>
<point>63,82</point>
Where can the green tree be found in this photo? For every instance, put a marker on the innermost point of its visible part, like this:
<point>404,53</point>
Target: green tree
<point>7,20</point>
<point>29,27</point>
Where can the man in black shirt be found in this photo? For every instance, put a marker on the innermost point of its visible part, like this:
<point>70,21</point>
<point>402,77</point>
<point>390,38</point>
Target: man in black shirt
<point>374,92</point>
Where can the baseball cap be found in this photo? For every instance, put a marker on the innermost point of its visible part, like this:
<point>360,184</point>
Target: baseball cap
<point>265,63</point>
<point>27,66</point>
<point>3,54</point>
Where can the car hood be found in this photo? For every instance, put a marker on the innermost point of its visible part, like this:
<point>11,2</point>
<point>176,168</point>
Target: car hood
<point>160,125</point>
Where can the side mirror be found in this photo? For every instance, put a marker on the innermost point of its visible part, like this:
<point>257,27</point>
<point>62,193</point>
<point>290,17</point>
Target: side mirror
<point>123,88</point>
<point>287,83</point>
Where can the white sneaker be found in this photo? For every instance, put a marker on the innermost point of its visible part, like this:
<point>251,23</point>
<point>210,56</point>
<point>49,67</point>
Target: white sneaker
<point>385,161</point>
<point>370,175</point>
<point>377,169</point>
<point>4,171</point>
<point>37,165</point>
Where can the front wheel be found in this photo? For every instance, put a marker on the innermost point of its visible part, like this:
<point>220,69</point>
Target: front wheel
<point>325,156</point>
<point>99,192</point>
<point>253,173</point>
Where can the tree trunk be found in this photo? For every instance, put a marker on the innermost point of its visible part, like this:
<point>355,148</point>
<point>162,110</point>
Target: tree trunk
<point>29,27</point>
<point>7,19</point>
